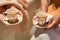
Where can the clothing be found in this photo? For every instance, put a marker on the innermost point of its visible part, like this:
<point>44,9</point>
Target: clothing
<point>54,33</point>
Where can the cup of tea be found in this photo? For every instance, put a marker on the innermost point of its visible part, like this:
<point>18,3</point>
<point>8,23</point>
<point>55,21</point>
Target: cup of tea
<point>41,19</point>
<point>12,17</point>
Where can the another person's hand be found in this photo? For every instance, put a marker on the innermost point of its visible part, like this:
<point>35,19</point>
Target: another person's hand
<point>54,21</point>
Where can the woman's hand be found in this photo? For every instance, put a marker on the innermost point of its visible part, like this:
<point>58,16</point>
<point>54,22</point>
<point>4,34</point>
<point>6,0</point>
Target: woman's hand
<point>54,21</point>
<point>21,8</point>
<point>24,3</point>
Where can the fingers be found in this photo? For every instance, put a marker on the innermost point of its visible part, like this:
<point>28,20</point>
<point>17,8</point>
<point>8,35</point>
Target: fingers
<point>16,4</point>
<point>5,3</point>
<point>53,23</point>
<point>24,3</point>
<point>20,13</point>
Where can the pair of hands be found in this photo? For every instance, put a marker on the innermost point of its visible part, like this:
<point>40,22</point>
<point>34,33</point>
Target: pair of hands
<point>21,5</point>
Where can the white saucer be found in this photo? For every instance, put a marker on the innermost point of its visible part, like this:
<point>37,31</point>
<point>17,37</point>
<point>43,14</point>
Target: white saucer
<point>19,17</point>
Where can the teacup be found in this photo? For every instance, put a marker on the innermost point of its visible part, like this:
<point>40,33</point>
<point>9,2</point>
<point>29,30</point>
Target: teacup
<point>12,17</point>
<point>41,19</point>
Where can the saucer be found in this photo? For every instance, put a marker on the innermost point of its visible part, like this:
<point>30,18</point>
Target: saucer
<point>20,18</point>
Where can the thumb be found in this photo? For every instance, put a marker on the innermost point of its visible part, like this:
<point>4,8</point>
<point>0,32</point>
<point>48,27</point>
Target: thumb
<point>50,20</point>
<point>52,23</point>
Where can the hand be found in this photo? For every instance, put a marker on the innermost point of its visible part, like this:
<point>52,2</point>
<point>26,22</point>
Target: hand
<point>24,3</point>
<point>54,21</point>
<point>20,8</point>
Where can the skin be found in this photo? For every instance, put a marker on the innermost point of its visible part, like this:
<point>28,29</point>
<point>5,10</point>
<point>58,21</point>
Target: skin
<point>24,3</point>
<point>44,5</point>
<point>53,9</point>
<point>22,25</point>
